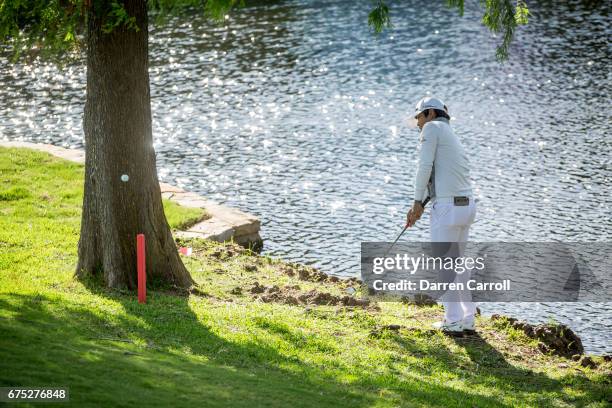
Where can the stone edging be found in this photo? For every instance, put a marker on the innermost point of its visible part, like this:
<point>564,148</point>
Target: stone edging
<point>224,224</point>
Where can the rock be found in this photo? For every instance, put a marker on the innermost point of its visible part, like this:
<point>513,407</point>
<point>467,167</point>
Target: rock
<point>607,358</point>
<point>587,361</point>
<point>347,301</point>
<point>364,302</point>
<point>495,316</point>
<point>542,347</point>
<point>287,270</point>
<point>250,268</point>
<point>576,357</point>
<point>421,299</point>
<point>373,307</point>
<point>319,276</point>
<point>291,300</point>
<point>562,365</point>
<point>237,249</point>
<point>267,298</point>
<point>257,288</point>
<point>303,274</point>
<point>236,291</point>
<point>478,311</point>
<point>529,331</point>
<point>272,289</point>
<point>559,339</point>
<point>351,301</point>
<point>312,274</point>
<point>323,299</point>
<point>287,295</point>
<point>334,279</point>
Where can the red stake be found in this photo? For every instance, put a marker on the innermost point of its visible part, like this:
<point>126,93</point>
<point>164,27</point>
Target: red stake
<point>142,275</point>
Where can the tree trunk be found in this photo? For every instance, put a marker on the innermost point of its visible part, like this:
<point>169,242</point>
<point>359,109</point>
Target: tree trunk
<point>119,142</point>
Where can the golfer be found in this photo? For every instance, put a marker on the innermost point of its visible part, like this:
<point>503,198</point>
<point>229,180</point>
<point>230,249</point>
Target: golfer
<point>443,173</point>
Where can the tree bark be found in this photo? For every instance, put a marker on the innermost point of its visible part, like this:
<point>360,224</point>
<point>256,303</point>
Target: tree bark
<point>119,141</point>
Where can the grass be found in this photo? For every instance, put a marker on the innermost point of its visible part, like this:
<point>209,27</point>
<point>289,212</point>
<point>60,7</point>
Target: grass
<point>180,218</point>
<point>224,346</point>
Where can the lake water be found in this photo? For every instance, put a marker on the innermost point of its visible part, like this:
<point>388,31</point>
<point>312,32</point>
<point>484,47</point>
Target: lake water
<point>294,111</point>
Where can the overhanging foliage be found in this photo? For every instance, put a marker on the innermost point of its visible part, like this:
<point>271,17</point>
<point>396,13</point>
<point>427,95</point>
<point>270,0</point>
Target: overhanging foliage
<point>55,28</point>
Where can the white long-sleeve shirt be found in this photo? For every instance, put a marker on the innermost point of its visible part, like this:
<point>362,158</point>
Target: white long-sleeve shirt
<point>443,159</point>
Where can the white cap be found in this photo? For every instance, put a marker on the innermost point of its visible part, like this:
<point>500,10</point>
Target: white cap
<point>425,103</point>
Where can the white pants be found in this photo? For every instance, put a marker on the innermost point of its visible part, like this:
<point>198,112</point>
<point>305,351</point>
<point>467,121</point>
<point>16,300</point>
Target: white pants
<point>451,223</point>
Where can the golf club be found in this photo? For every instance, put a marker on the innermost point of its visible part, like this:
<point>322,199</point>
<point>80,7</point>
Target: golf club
<point>402,233</point>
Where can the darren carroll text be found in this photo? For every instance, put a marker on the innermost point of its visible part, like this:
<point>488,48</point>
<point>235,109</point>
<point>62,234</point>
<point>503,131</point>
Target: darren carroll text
<point>424,284</point>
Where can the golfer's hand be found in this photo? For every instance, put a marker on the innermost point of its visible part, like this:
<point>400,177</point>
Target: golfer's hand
<point>414,214</point>
<point>409,221</point>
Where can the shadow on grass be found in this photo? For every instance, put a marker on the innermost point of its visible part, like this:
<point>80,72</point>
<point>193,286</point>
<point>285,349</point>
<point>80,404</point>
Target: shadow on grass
<point>488,365</point>
<point>182,362</point>
<point>517,379</point>
<point>47,342</point>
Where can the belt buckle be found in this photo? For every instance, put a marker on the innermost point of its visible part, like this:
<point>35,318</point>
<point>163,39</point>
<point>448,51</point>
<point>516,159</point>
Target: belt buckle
<point>461,201</point>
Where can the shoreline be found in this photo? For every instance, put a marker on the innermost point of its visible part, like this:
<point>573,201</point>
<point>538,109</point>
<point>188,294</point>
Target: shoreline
<point>219,227</point>
<point>224,224</point>
<point>249,317</point>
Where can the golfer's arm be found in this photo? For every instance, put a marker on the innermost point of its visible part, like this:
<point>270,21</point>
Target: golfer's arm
<point>426,160</point>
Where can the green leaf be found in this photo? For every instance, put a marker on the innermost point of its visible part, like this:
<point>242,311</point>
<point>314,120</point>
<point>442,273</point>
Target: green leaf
<point>521,14</point>
<point>378,19</point>
<point>456,3</point>
<point>117,17</point>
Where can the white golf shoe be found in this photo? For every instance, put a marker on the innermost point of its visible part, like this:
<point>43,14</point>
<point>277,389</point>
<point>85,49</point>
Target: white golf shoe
<point>468,325</point>
<point>455,327</point>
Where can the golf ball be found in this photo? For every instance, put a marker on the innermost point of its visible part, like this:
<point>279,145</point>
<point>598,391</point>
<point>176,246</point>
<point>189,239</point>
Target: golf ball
<point>125,177</point>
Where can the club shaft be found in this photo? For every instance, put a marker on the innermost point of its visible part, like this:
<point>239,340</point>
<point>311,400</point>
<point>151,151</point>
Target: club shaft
<point>404,230</point>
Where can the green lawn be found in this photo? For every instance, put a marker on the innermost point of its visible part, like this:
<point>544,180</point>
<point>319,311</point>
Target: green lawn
<point>223,346</point>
